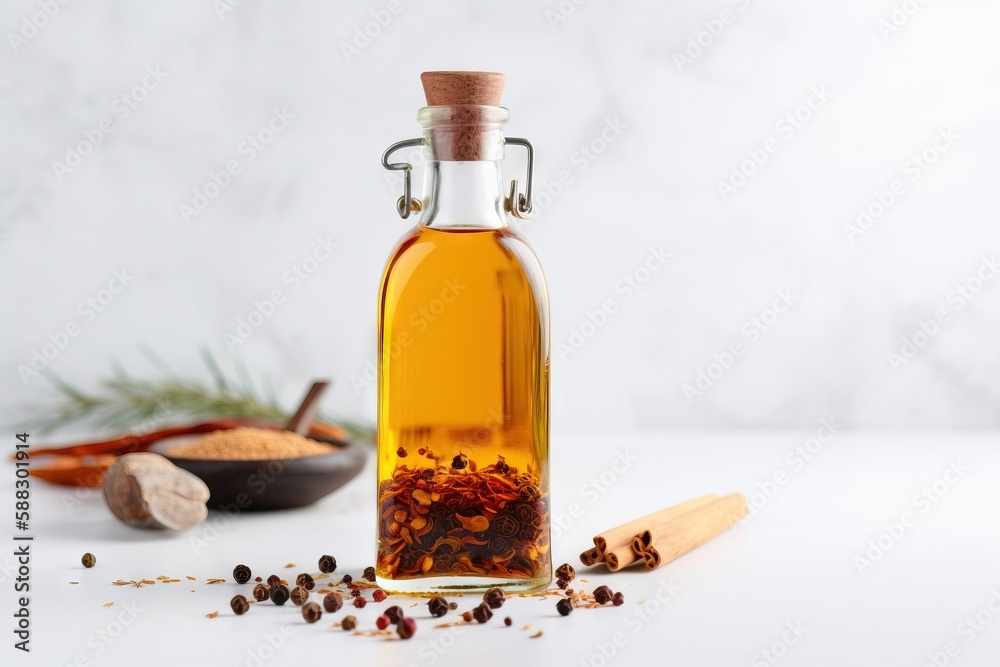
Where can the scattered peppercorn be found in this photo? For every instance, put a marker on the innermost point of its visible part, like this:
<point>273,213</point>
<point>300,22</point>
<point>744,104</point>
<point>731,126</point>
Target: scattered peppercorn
<point>242,574</point>
<point>453,606</point>
<point>240,605</point>
<point>421,451</point>
<point>369,573</point>
<point>306,581</point>
<point>349,623</point>
<point>382,622</point>
<point>401,452</point>
<point>564,607</point>
<point>460,461</point>
<point>273,580</point>
<point>378,595</point>
<point>618,599</point>
<point>493,600</point>
<point>88,560</point>
<point>561,583</point>
<point>394,613</point>
<point>311,612</point>
<point>360,602</point>
<point>327,564</point>
<point>437,606</point>
<point>299,596</point>
<point>565,572</point>
<point>347,579</point>
<point>482,613</point>
<point>406,628</point>
<point>507,621</point>
<point>502,466</point>
<point>258,579</point>
<point>467,616</point>
<point>602,594</point>
<point>333,602</point>
<point>260,592</point>
<point>355,592</point>
<point>279,594</point>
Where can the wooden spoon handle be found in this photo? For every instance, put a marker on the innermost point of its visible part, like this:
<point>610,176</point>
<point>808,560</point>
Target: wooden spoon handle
<point>299,423</point>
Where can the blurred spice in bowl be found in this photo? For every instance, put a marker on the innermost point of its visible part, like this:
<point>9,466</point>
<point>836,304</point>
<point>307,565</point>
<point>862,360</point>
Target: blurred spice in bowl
<point>250,444</point>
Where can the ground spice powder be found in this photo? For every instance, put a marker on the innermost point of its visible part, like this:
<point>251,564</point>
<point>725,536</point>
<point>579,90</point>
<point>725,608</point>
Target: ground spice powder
<point>250,444</point>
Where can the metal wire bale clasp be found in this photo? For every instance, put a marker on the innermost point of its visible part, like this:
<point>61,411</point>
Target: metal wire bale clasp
<point>517,204</point>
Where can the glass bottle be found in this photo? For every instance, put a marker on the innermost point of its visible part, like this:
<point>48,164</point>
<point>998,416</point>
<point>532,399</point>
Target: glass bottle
<point>463,372</point>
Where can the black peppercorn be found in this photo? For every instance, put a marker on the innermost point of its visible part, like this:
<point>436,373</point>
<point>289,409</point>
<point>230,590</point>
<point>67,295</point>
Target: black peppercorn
<point>565,572</point>
<point>349,623</point>
<point>437,606</point>
<point>394,613</point>
<point>406,628</point>
<point>88,560</point>
<point>564,607</point>
<point>333,602</point>
<point>306,581</point>
<point>273,580</point>
<point>502,466</point>
<point>347,579</point>
<point>299,596</point>
<point>460,461</point>
<point>327,564</point>
<point>561,583</point>
<point>311,612</point>
<point>240,605</point>
<point>369,573</point>
<point>260,592</point>
<point>279,594</point>
<point>241,573</point>
<point>618,599</point>
<point>602,594</point>
<point>482,613</point>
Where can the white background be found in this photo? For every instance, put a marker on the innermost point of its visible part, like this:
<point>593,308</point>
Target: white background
<point>684,128</point>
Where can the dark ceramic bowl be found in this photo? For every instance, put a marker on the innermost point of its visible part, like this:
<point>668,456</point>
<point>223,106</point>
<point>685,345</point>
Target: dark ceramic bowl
<point>270,484</point>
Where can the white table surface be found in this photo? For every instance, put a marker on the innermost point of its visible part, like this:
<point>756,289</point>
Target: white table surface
<point>791,564</point>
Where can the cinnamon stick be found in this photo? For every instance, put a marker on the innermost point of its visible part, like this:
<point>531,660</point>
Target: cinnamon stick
<point>665,541</point>
<point>589,557</point>
<point>614,546</point>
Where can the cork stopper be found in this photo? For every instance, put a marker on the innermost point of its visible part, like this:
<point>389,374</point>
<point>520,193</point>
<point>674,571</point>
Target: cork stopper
<point>463,88</point>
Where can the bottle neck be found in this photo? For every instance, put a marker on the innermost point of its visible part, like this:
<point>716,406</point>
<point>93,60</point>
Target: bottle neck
<point>463,195</point>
